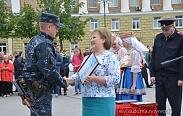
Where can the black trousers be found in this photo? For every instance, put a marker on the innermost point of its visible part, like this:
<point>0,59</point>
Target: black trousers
<point>6,88</point>
<point>63,73</point>
<point>67,72</point>
<point>145,75</point>
<point>16,74</point>
<point>167,88</point>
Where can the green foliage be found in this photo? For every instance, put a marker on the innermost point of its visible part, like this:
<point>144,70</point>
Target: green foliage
<point>26,23</point>
<point>74,26</point>
<point>5,24</point>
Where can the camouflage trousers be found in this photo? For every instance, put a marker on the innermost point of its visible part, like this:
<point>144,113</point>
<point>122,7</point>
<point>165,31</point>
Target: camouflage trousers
<point>43,105</point>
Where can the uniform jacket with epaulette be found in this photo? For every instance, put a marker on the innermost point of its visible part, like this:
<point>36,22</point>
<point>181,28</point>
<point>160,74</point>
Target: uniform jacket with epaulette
<point>167,48</point>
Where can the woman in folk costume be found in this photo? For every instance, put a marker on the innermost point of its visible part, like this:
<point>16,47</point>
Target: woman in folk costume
<point>132,86</point>
<point>117,47</point>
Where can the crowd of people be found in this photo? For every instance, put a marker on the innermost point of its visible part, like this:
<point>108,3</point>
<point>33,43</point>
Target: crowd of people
<point>118,76</point>
<point>11,67</point>
<point>127,74</point>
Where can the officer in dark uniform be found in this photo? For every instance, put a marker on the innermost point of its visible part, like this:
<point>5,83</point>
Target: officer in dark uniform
<point>169,79</point>
<point>40,68</point>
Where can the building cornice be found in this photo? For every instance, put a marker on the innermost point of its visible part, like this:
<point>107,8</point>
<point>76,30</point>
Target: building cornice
<point>129,13</point>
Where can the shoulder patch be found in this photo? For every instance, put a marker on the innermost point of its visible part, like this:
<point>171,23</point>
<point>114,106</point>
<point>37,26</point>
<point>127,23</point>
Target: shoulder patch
<point>180,33</point>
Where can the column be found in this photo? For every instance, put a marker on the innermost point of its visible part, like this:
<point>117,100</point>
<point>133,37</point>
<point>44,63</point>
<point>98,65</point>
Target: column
<point>167,5</point>
<point>15,6</point>
<point>10,45</point>
<point>84,8</point>
<point>102,6</point>
<point>125,6</point>
<point>146,5</point>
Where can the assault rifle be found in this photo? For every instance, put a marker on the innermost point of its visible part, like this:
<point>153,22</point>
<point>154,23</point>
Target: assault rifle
<point>23,94</point>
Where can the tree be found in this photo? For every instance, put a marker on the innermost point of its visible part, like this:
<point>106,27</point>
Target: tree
<point>26,22</point>
<point>5,24</point>
<point>74,26</point>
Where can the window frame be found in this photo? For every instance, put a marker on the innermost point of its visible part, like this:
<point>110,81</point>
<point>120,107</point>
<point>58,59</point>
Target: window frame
<point>177,23</point>
<point>73,3</point>
<point>157,23</point>
<point>92,3</point>
<point>134,3</point>
<point>176,1</point>
<point>3,48</point>
<point>96,24</point>
<point>136,23</point>
<point>112,3</point>
<point>155,3</point>
<point>116,22</point>
<point>73,45</point>
<point>8,2</point>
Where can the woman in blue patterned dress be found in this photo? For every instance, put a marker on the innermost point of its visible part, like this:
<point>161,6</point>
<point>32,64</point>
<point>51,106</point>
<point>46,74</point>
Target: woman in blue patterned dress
<point>132,86</point>
<point>98,93</point>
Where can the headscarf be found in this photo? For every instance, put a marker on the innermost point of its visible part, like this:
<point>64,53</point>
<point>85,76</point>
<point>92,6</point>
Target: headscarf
<point>116,39</point>
<point>119,41</point>
<point>134,42</point>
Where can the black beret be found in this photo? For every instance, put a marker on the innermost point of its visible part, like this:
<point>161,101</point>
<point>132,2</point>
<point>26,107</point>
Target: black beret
<point>166,23</point>
<point>51,18</point>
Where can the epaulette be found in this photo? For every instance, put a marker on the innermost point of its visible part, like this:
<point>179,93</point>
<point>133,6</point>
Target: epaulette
<point>179,33</point>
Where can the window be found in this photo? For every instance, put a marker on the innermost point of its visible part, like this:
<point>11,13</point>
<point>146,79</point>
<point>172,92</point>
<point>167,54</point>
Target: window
<point>179,22</point>
<point>113,3</point>
<point>92,3</point>
<point>115,24</point>
<point>73,46</point>
<point>8,2</point>
<point>156,24</point>
<point>176,1</point>
<point>136,23</point>
<point>155,2</point>
<point>3,47</point>
<point>93,24</point>
<point>73,3</point>
<point>134,3</point>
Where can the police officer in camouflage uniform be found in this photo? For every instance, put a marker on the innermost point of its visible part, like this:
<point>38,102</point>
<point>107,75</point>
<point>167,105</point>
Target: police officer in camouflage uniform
<point>40,70</point>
